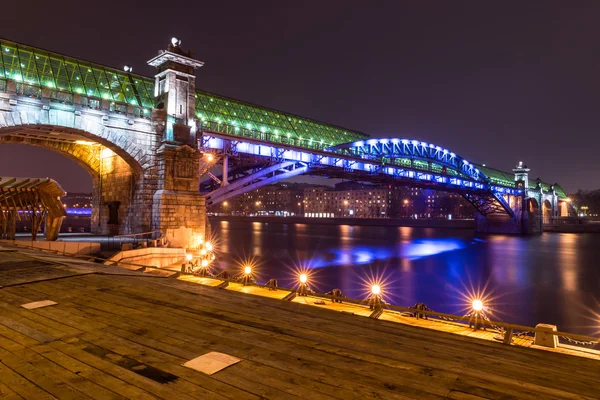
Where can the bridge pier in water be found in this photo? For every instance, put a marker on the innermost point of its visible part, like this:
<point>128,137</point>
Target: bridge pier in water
<point>536,206</point>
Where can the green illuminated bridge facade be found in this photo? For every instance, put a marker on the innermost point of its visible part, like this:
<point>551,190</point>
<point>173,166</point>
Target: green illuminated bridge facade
<point>156,130</point>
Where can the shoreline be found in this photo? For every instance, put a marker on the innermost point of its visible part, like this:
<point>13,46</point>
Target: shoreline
<point>394,222</point>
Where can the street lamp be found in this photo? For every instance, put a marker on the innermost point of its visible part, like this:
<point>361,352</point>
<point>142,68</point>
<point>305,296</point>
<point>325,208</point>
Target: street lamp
<point>477,316</point>
<point>375,298</point>
<point>188,266</point>
<point>303,288</point>
<point>247,276</point>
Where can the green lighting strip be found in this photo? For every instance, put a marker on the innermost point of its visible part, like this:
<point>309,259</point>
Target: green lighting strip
<point>35,69</point>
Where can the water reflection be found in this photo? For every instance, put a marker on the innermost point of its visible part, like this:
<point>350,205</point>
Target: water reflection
<point>257,236</point>
<point>428,247</point>
<point>551,278</point>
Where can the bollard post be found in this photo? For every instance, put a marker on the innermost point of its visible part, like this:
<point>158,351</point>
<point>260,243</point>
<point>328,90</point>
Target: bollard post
<point>508,335</point>
<point>546,338</point>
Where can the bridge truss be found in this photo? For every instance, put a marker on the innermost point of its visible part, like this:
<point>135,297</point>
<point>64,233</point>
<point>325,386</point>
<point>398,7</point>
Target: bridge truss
<point>258,162</point>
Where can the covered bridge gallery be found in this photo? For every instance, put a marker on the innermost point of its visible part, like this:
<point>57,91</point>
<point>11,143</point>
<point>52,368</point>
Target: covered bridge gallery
<point>32,199</point>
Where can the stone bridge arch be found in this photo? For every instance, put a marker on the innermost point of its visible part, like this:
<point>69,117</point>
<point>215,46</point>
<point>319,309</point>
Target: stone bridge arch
<point>63,123</point>
<point>122,171</point>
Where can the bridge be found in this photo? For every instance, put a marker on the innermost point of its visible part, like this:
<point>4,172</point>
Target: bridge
<point>148,143</point>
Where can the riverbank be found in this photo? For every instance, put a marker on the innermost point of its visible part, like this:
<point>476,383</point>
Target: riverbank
<point>583,228</point>
<point>416,223</point>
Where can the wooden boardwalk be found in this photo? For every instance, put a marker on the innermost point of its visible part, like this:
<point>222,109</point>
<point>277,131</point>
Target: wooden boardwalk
<point>119,335</point>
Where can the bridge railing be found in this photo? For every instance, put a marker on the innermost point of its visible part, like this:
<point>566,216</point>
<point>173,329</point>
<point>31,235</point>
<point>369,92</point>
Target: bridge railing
<point>239,130</point>
<point>54,95</point>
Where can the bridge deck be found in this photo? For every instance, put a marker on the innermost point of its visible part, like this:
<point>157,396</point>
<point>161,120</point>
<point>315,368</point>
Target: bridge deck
<point>127,336</point>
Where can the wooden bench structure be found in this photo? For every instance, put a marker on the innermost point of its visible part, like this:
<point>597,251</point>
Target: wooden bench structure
<point>32,199</point>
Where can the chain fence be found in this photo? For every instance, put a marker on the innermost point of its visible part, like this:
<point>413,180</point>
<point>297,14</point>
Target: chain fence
<point>578,342</point>
<point>423,307</point>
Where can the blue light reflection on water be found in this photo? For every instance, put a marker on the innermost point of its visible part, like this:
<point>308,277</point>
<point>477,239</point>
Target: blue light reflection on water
<point>533,279</point>
<point>359,255</point>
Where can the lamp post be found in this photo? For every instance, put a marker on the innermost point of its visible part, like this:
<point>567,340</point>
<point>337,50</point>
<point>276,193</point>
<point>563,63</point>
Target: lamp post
<point>375,298</point>
<point>477,316</point>
<point>303,287</point>
<point>188,266</point>
<point>247,276</point>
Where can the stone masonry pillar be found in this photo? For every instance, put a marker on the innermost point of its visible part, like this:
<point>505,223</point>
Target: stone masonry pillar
<point>178,209</point>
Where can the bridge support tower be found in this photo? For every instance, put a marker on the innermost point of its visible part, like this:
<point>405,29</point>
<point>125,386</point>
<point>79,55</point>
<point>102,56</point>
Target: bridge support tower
<point>178,208</point>
<point>530,210</point>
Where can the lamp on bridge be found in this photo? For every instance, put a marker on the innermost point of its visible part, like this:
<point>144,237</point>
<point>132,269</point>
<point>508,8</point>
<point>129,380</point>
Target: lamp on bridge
<point>521,175</point>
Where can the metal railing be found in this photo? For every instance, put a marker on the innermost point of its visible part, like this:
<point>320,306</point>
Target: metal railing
<point>135,239</point>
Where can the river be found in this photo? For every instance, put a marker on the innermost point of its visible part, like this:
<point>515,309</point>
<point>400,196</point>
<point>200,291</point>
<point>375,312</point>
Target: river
<point>553,278</point>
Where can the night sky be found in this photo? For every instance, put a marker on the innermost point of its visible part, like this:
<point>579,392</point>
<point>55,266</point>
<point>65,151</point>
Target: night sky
<point>495,82</point>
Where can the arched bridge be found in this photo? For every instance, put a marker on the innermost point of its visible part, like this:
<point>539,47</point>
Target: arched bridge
<point>264,160</point>
<point>147,143</point>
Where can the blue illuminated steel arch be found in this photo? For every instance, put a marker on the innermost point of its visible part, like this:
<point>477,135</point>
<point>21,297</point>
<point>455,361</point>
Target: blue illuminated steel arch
<point>381,149</point>
<point>365,161</point>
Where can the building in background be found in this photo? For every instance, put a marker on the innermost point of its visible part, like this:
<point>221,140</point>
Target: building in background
<point>346,199</point>
<point>281,199</point>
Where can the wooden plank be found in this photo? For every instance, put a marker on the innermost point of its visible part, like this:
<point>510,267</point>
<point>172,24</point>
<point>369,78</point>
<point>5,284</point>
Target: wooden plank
<point>372,372</point>
<point>283,344</point>
<point>142,383</point>
<point>26,330</point>
<point>326,370</point>
<point>452,342</point>
<point>131,329</point>
<point>7,393</point>
<point>37,376</point>
<point>73,379</point>
<point>38,304</point>
<point>22,386</point>
<point>258,291</point>
<point>97,376</point>
<point>37,321</point>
